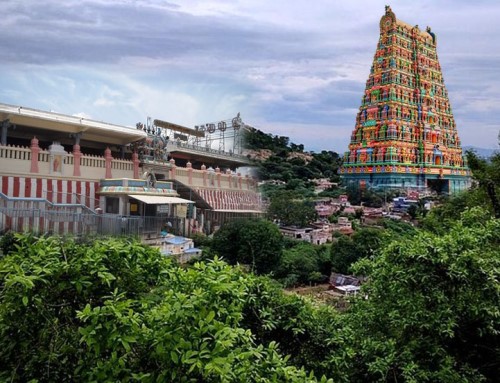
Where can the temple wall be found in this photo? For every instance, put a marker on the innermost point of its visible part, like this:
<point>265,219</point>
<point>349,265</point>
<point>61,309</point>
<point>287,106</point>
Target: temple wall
<point>14,160</point>
<point>225,191</point>
<point>54,190</point>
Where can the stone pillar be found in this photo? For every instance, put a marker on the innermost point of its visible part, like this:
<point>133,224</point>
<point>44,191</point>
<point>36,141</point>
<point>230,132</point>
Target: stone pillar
<point>204,172</point>
<point>172,169</point>
<point>35,149</point>
<point>229,178</point>
<point>5,126</point>
<point>211,176</point>
<point>109,158</point>
<point>123,208</point>
<point>135,161</point>
<point>77,155</point>
<point>218,174</point>
<point>189,167</point>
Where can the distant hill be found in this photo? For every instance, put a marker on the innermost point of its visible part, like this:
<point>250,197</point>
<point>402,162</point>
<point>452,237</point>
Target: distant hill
<point>279,159</point>
<point>481,152</point>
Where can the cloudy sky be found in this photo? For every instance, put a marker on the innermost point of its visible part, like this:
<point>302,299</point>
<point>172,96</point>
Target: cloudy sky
<point>291,67</point>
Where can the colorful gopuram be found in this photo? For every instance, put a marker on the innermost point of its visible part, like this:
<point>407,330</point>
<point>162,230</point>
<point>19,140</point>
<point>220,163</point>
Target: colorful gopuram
<point>405,134</point>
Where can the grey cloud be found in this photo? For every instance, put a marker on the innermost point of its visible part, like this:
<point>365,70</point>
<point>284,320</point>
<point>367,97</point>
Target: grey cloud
<point>106,32</point>
<point>309,72</point>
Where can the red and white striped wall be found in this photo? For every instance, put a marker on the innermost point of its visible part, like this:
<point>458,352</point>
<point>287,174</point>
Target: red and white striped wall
<point>54,190</point>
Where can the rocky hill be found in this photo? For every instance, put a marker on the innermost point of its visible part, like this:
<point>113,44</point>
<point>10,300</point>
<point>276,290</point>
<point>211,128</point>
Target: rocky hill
<point>278,159</point>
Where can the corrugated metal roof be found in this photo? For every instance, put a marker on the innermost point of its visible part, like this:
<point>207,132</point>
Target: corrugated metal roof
<point>159,200</point>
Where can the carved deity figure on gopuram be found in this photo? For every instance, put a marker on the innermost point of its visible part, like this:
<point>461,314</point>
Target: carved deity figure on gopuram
<point>405,134</point>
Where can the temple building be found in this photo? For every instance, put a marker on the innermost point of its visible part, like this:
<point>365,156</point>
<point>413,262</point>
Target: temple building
<point>64,174</point>
<point>405,134</point>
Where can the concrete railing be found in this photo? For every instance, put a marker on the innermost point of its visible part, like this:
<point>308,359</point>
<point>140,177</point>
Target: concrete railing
<point>18,161</point>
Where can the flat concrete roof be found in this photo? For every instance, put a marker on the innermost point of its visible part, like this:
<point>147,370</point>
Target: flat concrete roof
<point>91,130</point>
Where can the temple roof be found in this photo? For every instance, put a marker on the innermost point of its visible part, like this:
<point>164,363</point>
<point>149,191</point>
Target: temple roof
<point>56,122</point>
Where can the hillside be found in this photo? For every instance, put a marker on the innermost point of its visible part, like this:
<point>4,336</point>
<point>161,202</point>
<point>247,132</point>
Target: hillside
<point>278,159</point>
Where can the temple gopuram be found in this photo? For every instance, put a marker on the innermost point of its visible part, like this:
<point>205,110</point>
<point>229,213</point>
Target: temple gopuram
<point>405,134</point>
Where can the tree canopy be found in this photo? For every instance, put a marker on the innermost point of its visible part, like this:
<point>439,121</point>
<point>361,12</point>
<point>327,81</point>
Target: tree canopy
<point>291,210</point>
<point>487,175</point>
<point>349,249</point>
<point>254,242</point>
<point>432,309</point>
<point>288,162</point>
<point>115,310</point>
<point>304,263</point>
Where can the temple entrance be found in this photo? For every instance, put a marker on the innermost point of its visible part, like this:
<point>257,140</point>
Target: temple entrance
<point>439,186</point>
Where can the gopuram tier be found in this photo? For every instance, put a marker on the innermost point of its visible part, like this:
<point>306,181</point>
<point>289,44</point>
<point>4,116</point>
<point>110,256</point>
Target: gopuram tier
<point>405,134</point>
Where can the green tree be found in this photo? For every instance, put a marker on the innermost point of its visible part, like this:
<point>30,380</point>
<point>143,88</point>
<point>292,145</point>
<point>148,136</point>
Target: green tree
<point>325,165</point>
<point>413,211</point>
<point>115,310</point>
<point>349,249</point>
<point>431,309</point>
<point>301,328</point>
<point>333,192</point>
<point>302,264</point>
<point>396,229</point>
<point>450,209</point>
<point>290,210</point>
<point>254,242</point>
<point>294,170</point>
<point>487,175</point>
<point>354,193</point>
<point>256,139</point>
<point>45,282</point>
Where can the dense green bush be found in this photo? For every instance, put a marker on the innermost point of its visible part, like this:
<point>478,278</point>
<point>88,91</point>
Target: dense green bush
<point>347,250</point>
<point>432,308</point>
<point>303,264</point>
<point>254,242</point>
<point>115,310</point>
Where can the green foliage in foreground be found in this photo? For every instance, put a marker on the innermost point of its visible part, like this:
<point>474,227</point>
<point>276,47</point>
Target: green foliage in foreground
<point>487,175</point>
<point>433,308</point>
<point>365,243</point>
<point>302,328</point>
<point>114,310</point>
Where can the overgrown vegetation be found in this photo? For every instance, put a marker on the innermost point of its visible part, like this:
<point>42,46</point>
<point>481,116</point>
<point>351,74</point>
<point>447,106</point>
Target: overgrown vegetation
<point>289,209</point>
<point>432,309</point>
<point>290,164</point>
<point>253,242</point>
<point>258,244</point>
<point>303,264</point>
<point>115,310</point>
